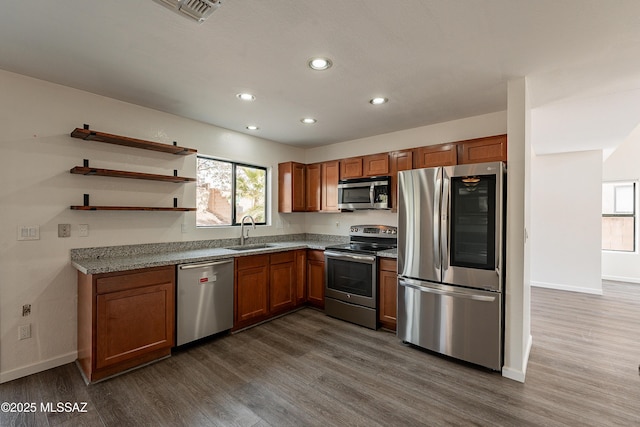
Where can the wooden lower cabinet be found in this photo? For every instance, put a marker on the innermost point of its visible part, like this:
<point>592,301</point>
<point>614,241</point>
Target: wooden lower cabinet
<point>301,276</point>
<point>272,284</point>
<point>388,292</point>
<point>251,290</point>
<point>315,278</point>
<point>125,319</point>
<point>282,282</point>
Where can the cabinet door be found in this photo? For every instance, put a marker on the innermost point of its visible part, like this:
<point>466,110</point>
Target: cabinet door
<point>480,150</point>
<point>282,287</point>
<point>315,278</point>
<point>301,276</point>
<point>399,161</point>
<point>376,164</point>
<point>313,187</point>
<point>252,298</point>
<point>435,155</point>
<point>330,175</point>
<point>291,187</point>
<point>351,168</point>
<point>388,280</point>
<point>131,323</point>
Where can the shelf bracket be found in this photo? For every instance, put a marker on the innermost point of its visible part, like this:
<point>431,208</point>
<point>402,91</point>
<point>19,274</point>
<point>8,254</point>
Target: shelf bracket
<point>86,200</point>
<point>85,163</point>
<point>175,202</point>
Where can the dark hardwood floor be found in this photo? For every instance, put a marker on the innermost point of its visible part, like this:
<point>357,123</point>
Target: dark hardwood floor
<point>307,369</point>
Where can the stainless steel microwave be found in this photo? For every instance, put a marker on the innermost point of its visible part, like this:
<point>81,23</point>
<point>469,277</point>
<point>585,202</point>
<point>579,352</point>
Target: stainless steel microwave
<point>364,193</point>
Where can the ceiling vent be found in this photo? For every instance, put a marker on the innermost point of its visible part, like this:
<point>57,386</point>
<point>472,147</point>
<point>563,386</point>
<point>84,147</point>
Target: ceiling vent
<point>196,9</point>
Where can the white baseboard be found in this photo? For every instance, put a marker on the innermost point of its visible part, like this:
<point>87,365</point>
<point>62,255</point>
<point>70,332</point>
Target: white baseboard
<point>569,288</point>
<point>517,374</point>
<point>622,279</point>
<point>37,367</point>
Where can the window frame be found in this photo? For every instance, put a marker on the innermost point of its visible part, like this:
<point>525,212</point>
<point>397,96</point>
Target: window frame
<point>234,220</point>
<point>633,214</point>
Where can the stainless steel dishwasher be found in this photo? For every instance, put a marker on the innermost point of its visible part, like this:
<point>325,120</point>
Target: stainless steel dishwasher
<point>204,300</point>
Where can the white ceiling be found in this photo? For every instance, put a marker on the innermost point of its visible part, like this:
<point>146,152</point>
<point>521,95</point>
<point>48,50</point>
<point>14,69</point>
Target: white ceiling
<point>436,60</point>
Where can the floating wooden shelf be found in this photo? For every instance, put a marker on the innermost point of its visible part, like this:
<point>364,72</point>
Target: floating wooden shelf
<point>129,208</point>
<point>82,170</point>
<point>91,135</point>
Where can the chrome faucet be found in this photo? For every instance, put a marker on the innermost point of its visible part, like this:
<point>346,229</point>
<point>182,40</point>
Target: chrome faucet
<point>242,236</point>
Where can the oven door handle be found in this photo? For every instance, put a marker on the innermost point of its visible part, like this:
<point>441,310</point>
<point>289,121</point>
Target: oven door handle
<point>370,259</point>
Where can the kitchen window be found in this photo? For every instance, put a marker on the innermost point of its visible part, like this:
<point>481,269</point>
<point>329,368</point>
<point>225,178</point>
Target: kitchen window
<point>226,191</point>
<point>619,216</point>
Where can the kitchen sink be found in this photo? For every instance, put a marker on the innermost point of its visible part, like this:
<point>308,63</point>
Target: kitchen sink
<point>250,247</point>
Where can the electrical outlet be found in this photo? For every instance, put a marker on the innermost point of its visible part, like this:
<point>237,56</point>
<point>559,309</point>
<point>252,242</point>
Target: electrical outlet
<point>24,331</point>
<point>83,230</point>
<point>64,230</point>
<point>26,310</point>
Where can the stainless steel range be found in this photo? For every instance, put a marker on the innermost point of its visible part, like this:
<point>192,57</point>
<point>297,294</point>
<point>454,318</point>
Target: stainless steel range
<point>351,274</point>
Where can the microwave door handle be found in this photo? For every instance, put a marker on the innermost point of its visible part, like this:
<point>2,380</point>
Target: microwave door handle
<point>371,195</point>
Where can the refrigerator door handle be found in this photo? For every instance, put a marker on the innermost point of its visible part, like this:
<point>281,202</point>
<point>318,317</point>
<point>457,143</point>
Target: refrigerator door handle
<point>437,256</point>
<point>457,294</point>
<point>444,222</point>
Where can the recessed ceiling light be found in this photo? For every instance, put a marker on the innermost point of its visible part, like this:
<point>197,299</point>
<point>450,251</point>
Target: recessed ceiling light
<point>320,63</point>
<point>308,120</point>
<point>378,101</point>
<point>252,127</point>
<point>245,96</point>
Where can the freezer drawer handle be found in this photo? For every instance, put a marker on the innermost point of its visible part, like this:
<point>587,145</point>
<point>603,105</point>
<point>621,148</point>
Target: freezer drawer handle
<point>448,293</point>
<point>205,264</point>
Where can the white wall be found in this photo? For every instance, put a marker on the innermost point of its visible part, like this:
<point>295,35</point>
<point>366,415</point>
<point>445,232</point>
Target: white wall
<point>623,165</point>
<point>517,333</point>
<point>36,118</point>
<point>566,221</point>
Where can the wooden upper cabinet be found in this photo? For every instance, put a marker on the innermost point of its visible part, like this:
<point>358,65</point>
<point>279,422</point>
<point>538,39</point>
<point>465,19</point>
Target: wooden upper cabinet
<point>291,187</point>
<point>313,183</point>
<point>399,161</point>
<point>376,164</point>
<point>371,165</point>
<point>330,173</point>
<point>351,168</point>
<point>435,155</point>
<point>480,150</point>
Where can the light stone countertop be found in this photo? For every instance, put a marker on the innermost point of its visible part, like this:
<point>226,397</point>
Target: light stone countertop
<point>134,261</point>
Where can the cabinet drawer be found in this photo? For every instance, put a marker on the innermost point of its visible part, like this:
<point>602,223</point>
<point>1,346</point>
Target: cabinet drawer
<point>388,264</point>
<point>252,261</point>
<point>114,282</point>
<point>315,255</point>
<point>282,257</point>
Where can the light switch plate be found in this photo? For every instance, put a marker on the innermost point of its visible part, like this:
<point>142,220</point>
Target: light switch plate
<point>64,230</point>
<point>29,232</point>
<point>83,230</point>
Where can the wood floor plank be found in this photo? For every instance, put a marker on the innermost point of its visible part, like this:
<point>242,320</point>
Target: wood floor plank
<point>307,369</point>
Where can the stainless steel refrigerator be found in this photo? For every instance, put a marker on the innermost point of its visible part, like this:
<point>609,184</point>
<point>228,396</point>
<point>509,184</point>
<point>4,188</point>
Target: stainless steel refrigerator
<point>451,260</point>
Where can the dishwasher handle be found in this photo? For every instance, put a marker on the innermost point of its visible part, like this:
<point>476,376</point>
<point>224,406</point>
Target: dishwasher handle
<point>204,264</point>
